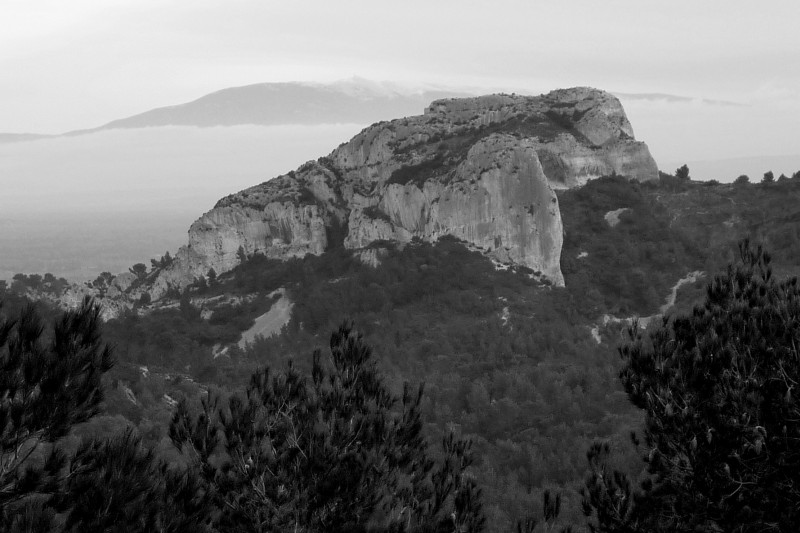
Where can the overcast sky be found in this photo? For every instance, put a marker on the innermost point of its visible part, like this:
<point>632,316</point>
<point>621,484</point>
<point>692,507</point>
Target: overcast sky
<point>77,64</point>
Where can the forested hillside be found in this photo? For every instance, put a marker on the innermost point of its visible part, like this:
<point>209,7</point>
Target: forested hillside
<point>527,371</point>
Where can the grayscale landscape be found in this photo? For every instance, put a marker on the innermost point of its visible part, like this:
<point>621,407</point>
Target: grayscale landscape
<point>427,267</point>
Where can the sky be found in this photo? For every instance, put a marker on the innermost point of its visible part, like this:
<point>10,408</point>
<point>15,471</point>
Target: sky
<point>78,64</point>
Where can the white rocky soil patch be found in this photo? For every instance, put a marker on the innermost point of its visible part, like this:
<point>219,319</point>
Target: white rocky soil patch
<point>271,322</point>
<point>689,278</point>
<point>612,217</point>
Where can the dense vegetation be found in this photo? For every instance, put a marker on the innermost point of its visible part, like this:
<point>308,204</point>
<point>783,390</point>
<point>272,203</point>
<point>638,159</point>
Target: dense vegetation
<point>628,268</point>
<point>336,452</point>
<point>722,425</point>
<point>333,451</point>
<point>507,362</point>
<point>436,314</point>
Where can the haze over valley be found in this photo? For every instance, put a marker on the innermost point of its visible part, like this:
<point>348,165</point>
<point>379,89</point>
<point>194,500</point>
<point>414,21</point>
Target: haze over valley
<point>149,184</point>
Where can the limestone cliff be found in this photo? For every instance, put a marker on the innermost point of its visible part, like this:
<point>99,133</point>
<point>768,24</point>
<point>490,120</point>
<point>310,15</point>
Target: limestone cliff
<point>480,169</point>
<point>497,199</point>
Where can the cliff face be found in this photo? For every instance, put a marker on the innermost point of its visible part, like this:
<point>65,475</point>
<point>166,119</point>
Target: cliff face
<point>480,169</point>
<point>497,199</point>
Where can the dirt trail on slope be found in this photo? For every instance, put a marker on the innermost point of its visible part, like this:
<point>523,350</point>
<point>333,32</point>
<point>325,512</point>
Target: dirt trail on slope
<point>645,321</point>
<point>691,277</point>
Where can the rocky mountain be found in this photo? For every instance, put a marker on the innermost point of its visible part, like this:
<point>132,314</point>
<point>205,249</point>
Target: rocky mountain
<point>480,169</point>
<point>484,170</point>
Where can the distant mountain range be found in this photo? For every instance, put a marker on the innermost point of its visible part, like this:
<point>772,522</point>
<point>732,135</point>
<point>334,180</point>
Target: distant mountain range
<point>355,100</point>
<point>271,104</point>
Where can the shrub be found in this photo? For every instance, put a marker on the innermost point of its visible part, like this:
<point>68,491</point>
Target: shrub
<point>682,173</point>
<point>333,451</point>
<point>721,416</point>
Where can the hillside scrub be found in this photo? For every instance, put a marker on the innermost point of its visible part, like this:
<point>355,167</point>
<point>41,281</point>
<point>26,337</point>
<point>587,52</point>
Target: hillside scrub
<point>434,312</point>
<point>532,391</point>
<point>329,451</point>
<point>508,362</point>
<point>722,421</point>
<point>631,266</point>
<point>333,451</point>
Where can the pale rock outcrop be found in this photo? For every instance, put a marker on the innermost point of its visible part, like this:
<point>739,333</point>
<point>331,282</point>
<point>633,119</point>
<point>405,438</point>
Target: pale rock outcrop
<point>479,169</point>
<point>113,304</point>
<point>612,217</point>
<point>280,229</point>
<point>371,256</point>
<point>498,200</point>
<point>583,133</point>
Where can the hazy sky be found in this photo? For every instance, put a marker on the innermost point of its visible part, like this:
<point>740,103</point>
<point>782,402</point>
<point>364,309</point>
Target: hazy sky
<point>77,64</point>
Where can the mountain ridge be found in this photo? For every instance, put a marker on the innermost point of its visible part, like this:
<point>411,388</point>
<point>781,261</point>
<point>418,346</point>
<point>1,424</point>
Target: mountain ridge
<point>480,169</point>
<point>282,103</point>
<point>354,100</point>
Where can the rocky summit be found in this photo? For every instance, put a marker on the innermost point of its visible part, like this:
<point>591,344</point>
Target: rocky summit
<point>480,169</point>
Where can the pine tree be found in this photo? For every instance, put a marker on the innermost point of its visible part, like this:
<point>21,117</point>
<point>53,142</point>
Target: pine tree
<point>139,270</point>
<point>722,418</point>
<point>117,485</point>
<point>334,451</point>
<point>49,382</point>
<point>241,255</point>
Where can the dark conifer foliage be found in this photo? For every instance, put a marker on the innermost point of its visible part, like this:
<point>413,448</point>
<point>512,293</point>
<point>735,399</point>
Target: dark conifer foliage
<point>333,451</point>
<point>49,381</point>
<point>608,497</point>
<point>551,508</point>
<point>117,485</point>
<point>722,421</point>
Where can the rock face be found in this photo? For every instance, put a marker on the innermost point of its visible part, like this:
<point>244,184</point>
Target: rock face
<point>497,199</point>
<point>480,169</point>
